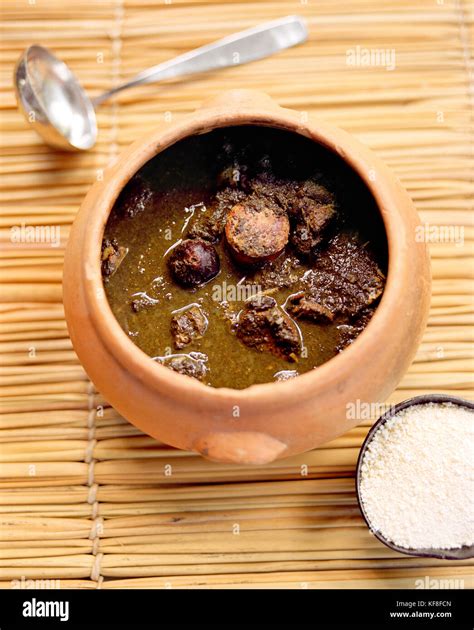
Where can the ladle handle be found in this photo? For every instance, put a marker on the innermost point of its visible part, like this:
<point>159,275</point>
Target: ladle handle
<point>234,50</point>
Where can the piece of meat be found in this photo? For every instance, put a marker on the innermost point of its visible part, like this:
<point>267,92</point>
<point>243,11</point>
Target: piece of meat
<point>188,325</point>
<point>283,272</point>
<point>349,332</point>
<point>256,231</point>
<point>193,263</point>
<point>111,256</point>
<point>134,198</point>
<point>261,303</point>
<point>209,225</point>
<point>303,306</point>
<point>313,210</point>
<point>266,327</point>
<point>344,280</point>
<point>192,364</point>
<point>308,230</point>
<point>276,191</point>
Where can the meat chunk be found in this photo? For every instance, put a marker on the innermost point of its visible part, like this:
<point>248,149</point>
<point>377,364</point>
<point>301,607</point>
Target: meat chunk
<point>261,303</point>
<point>209,225</point>
<point>306,306</point>
<point>276,191</point>
<point>312,211</point>
<point>344,280</point>
<point>192,364</point>
<point>266,327</point>
<point>256,231</point>
<point>277,274</point>
<point>135,197</point>
<point>188,325</point>
<point>194,262</point>
<point>112,255</point>
<point>308,231</point>
<point>349,332</point>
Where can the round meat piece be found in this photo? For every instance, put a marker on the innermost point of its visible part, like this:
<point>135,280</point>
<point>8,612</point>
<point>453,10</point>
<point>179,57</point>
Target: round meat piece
<point>256,231</point>
<point>193,262</point>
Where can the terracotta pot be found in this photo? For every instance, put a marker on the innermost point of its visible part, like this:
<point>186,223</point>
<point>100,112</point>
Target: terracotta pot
<point>274,419</point>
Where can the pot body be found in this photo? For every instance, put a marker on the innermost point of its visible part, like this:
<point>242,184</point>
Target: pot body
<point>263,422</point>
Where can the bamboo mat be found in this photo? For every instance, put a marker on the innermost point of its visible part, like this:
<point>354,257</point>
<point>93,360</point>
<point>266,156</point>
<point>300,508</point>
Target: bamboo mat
<point>86,499</point>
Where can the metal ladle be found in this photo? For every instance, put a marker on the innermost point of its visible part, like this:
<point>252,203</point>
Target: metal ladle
<point>54,103</point>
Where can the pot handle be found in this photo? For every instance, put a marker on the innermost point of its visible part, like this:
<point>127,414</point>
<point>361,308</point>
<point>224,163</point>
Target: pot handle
<point>238,99</point>
<point>242,447</point>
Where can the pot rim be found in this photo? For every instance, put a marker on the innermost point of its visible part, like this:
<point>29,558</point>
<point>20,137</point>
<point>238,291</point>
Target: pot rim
<point>171,384</point>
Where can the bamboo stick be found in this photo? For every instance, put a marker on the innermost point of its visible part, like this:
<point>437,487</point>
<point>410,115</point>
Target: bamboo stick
<point>64,584</point>
<point>289,567</point>
<point>393,579</point>
<point>111,510</point>
<point>59,565</point>
<point>45,292</point>
<point>172,559</point>
<point>34,335</point>
<point>44,572</point>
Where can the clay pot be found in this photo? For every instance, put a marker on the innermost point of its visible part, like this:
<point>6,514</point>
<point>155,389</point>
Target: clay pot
<point>266,421</point>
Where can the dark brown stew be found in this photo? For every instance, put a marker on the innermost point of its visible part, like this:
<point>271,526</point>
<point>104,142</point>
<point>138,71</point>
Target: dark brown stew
<point>244,255</point>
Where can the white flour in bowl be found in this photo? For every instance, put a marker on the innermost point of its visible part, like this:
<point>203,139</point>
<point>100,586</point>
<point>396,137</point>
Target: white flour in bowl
<point>417,477</point>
